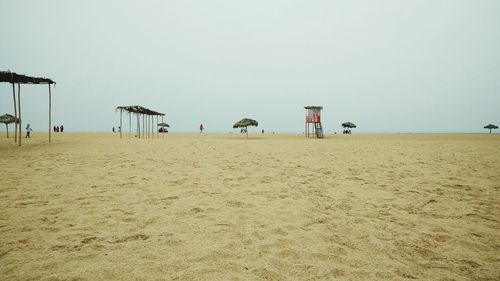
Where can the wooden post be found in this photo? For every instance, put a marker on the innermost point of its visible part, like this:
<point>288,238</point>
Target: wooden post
<point>129,124</point>
<point>7,128</point>
<point>138,135</point>
<point>19,109</point>
<point>121,111</point>
<point>157,133</point>
<point>50,115</point>
<point>246,130</point>
<point>15,111</point>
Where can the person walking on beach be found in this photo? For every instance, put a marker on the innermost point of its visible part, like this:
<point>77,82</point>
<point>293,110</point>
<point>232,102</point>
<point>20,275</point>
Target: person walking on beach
<point>28,131</point>
<point>62,128</point>
<point>201,128</point>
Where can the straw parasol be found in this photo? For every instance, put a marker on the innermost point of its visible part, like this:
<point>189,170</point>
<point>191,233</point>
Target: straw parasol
<point>244,123</point>
<point>7,119</point>
<point>348,125</point>
<point>491,127</point>
<point>162,126</point>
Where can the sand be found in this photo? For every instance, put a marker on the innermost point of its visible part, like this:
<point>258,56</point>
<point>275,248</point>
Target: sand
<point>273,207</point>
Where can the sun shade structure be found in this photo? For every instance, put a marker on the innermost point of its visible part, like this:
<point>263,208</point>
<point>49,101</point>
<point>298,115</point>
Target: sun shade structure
<point>147,120</point>
<point>162,129</point>
<point>491,127</point>
<point>244,123</point>
<point>14,78</point>
<point>348,125</point>
<point>7,119</point>
<point>313,118</point>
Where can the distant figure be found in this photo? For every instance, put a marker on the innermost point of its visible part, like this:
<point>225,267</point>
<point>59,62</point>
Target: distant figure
<point>54,128</point>
<point>57,129</point>
<point>28,131</point>
<point>201,128</point>
<point>113,129</point>
<point>62,128</point>
<point>263,131</point>
<point>119,129</point>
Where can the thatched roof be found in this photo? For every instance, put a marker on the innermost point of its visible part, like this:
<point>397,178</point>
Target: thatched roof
<point>313,107</point>
<point>11,77</point>
<point>139,110</point>
<point>7,119</point>
<point>245,122</point>
<point>163,124</point>
<point>491,126</point>
<point>348,125</point>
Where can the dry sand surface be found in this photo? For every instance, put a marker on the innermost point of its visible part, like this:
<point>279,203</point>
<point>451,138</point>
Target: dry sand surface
<point>273,207</point>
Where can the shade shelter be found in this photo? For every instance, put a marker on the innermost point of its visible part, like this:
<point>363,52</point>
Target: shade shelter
<point>491,127</point>
<point>14,78</point>
<point>7,119</point>
<point>147,115</point>
<point>244,123</point>
<point>313,119</point>
<point>348,125</point>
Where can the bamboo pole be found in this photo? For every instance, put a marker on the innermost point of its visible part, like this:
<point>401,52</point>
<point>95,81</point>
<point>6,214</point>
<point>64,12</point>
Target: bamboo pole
<point>19,105</point>
<point>129,124</point>
<point>50,115</point>
<point>121,111</point>
<point>7,128</point>
<point>15,111</point>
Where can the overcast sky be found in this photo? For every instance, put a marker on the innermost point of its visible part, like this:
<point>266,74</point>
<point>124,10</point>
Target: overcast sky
<point>387,65</point>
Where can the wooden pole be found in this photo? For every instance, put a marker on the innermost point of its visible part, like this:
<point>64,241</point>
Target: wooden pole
<point>138,126</point>
<point>121,111</point>
<point>129,124</point>
<point>50,115</point>
<point>157,133</point>
<point>7,128</point>
<point>246,130</point>
<point>19,109</point>
<point>15,110</point>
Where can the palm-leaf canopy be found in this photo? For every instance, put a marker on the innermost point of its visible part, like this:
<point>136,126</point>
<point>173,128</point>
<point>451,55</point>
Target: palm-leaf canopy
<point>7,119</point>
<point>348,125</point>
<point>163,124</point>
<point>245,122</point>
<point>491,126</point>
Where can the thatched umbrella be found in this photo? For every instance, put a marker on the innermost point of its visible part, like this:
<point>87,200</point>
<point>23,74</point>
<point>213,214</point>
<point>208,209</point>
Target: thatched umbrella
<point>491,127</point>
<point>348,125</point>
<point>244,123</point>
<point>7,119</point>
<point>162,126</point>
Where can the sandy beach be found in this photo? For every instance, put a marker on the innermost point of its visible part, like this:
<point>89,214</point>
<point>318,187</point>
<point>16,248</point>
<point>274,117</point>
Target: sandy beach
<point>92,206</point>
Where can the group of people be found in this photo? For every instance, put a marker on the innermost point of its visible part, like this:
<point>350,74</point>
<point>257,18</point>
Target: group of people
<point>348,131</point>
<point>29,130</point>
<point>58,129</point>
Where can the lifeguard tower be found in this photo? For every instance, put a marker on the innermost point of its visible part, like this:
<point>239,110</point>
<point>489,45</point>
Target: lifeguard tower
<point>313,122</point>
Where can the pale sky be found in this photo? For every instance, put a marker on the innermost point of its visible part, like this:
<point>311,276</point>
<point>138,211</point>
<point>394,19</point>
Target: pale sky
<point>387,65</point>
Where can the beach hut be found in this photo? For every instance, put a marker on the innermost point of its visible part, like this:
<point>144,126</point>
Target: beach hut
<point>313,121</point>
<point>14,78</point>
<point>7,119</point>
<point>244,123</point>
<point>491,127</point>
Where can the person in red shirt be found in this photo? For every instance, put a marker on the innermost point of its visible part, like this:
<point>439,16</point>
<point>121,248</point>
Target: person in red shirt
<point>201,128</point>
